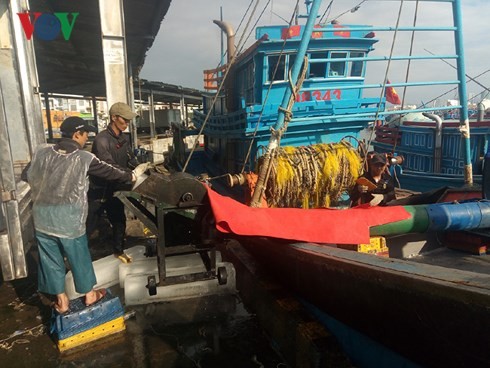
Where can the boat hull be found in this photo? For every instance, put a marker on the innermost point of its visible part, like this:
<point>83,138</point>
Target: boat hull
<point>433,158</point>
<point>432,315</point>
<point>424,182</point>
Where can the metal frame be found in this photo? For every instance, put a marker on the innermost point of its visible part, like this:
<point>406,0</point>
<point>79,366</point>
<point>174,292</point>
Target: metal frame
<point>156,223</point>
<point>20,133</point>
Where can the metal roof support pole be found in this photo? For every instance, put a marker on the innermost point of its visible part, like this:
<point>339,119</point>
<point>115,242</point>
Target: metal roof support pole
<point>48,116</point>
<point>151,114</point>
<point>132,127</point>
<point>117,79</point>
<point>182,109</point>
<point>94,112</point>
<point>186,115</point>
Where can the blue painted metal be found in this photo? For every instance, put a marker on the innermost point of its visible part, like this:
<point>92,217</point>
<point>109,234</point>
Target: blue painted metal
<point>298,61</point>
<point>410,29</point>
<point>459,216</point>
<point>463,99</point>
<point>416,145</point>
<point>329,107</point>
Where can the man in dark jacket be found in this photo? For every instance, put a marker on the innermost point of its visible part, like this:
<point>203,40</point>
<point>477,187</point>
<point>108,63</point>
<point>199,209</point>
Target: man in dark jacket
<point>58,176</point>
<point>113,147</point>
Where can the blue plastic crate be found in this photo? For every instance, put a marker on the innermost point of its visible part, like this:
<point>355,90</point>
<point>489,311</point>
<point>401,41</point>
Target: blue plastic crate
<point>82,318</point>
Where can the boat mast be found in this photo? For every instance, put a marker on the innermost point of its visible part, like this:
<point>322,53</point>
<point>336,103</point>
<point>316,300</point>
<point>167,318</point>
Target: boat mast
<point>464,125</point>
<point>274,140</point>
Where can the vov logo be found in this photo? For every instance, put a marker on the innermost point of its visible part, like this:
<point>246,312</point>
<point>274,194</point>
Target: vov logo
<point>47,26</point>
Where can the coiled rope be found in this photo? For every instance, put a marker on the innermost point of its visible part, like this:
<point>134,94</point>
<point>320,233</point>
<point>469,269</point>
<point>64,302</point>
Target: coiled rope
<point>312,176</point>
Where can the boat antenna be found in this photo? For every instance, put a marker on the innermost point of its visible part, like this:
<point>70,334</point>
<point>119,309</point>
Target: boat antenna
<point>222,62</point>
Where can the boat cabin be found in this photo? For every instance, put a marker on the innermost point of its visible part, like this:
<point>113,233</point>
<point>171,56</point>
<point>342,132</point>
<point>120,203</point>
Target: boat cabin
<point>246,106</point>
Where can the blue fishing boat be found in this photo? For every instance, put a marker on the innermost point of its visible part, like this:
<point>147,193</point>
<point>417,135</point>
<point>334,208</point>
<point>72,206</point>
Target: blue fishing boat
<point>416,296</point>
<point>432,149</point>
<point>242,106</point>
<point>329,106</point>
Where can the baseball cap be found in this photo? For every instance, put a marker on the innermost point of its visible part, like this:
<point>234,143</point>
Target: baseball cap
<point>75,123</point>
<point>123,110</point>
<point>378,158</point>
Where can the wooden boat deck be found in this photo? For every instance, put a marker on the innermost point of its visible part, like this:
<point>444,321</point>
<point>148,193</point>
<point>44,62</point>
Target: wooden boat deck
<point>454,259</point>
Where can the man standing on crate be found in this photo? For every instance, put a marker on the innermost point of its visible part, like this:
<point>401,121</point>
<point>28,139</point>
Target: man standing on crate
<point>58,176</point>
<point>112,146</point>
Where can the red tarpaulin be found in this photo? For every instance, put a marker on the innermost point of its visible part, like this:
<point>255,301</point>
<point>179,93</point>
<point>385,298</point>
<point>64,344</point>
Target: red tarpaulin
<point>325,225</point>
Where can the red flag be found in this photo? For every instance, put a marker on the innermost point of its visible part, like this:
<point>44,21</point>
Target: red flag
<point>345,34</point>
<point>391,95</point>
<point>317,34</point>
<point>290,32</point>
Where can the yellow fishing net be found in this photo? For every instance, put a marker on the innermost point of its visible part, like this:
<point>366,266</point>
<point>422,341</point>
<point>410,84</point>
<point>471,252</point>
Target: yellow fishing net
<point>312,176</point>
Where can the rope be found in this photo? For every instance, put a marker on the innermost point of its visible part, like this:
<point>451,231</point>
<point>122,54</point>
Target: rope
<point>217,94</point>
<point>249,150</point>
<point>386,74</point>
<point>351,10</point>
<point>327,10</point>
<point>311,176</point>
<point>411,52</point>
<point>408,70</point>
<point>33,331</point>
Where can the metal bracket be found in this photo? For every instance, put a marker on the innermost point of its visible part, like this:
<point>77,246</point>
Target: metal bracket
<point>8,196</point>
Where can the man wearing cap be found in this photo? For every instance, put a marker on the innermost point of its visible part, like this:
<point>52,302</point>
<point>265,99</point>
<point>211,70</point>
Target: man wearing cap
<point>376,186</point>
<point>58,176</point>
<point>112,146</point>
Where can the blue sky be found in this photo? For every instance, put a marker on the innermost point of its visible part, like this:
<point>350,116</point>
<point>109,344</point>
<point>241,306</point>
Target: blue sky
<point>189,42</point>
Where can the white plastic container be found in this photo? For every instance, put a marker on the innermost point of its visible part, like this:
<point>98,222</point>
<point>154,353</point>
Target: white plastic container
<point>106,270</point>
<point>136,292</point>
<point>175,265</point>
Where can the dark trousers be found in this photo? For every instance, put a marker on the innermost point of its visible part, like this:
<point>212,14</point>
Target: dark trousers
<point>51,271</point>
<point>115,214</point>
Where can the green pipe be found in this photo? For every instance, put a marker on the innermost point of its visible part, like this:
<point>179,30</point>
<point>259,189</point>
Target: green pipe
<point>417,223</point>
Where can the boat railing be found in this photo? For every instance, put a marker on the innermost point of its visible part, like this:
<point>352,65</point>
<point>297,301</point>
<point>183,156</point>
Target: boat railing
<point>213,78</point>
<point>385,113</point>
<point>380,85</point>
<point>387,135</point>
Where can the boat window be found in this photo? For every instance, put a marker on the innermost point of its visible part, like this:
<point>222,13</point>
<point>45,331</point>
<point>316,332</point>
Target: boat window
<point>318,70</point>
<point>279,61</point>
<point>337,68</point>
<point>291,60</point>
<point>246,83</point>
<point>356,66</point>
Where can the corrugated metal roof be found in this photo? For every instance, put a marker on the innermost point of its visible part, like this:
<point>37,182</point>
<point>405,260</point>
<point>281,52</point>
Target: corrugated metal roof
<point>76,66</point>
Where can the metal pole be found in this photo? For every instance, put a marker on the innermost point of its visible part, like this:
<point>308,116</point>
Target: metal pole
<point>464,125</point>
<point>274,140</point>
<point>48,116</point>
<point>151,114</point>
